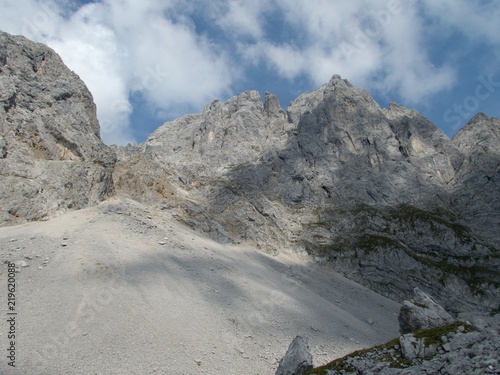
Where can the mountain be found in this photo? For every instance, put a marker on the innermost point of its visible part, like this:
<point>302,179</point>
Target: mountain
<point>51,154</point>
<point>380,195</point>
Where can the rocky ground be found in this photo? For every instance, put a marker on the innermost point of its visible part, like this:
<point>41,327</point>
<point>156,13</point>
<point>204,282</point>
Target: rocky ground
<point>431,342</point>
<point>122,288</point>
<point>460,348</point>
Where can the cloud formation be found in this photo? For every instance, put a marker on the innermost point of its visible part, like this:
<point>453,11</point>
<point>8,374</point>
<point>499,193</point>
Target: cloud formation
<point>379,44</point>
<point>179,55</point>
<point>123,47</point>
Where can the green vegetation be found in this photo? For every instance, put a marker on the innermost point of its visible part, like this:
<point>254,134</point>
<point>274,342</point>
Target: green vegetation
<point>434,335</point>
<point>474,276</point>
<point>390,352</point>
<point>495,312</point>
<point>410,215</point>
<point>341,363</point>
<point>370,242</point>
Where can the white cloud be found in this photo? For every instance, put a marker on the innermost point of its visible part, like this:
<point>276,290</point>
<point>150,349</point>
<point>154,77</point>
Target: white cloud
<point>155,47</point>
<point>121,46</point>
<point>242,18</point>
<point>361,40</point>
<point>478,19</point>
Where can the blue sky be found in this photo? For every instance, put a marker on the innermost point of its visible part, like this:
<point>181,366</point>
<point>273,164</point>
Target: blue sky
<point>150,61</point>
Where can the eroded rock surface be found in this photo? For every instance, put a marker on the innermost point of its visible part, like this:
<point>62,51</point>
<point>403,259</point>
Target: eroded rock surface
<point>381,195</point>
<point>51,155</point>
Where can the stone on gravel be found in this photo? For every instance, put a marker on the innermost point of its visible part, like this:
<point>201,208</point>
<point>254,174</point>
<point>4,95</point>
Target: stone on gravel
<point>479,324</point>
<point>21,263</point>
<point>297,359</point>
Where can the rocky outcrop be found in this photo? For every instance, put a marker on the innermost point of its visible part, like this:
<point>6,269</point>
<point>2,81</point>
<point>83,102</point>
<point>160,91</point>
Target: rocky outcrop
<point>376,193</point>
<point>297,360</point>
<point>422,312</point>
<point>459,348</point>
<point>51,155</point>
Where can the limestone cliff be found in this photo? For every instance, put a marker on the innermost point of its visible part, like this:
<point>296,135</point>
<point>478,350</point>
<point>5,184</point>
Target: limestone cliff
<point>51,154</point>
<point>380,194</point>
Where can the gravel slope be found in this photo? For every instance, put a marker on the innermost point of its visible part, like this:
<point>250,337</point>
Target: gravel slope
<point>122,289</point>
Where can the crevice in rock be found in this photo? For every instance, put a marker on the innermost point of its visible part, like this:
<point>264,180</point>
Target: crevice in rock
<point>37,62</point>
<point>63,96</point>
<point>10,103</point>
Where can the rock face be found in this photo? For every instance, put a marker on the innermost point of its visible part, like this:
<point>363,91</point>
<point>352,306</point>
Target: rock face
<point>379,194</point>
<point>476,186</point>
<point>422,312</point>
<point>297,359</point>
<point>51,154</point>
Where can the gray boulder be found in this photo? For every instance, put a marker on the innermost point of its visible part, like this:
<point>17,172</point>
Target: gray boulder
<point>297,360</point>
<point>422,312</point>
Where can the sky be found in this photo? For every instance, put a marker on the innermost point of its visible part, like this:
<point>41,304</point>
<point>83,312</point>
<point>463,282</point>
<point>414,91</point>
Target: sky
<point>150,61</point>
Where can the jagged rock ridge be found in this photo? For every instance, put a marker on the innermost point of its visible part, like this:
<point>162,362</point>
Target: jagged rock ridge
<point>51,154</point>
<point>380,194</point>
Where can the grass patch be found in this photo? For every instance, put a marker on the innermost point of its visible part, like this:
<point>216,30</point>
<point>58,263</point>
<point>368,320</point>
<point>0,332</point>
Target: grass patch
<point>495,312</point>
<point>342,363</point>
<point>411,214</point>
<point>371,230</point>
<point>474,276</point>
<point>433,335</point>
<point>370,242</point>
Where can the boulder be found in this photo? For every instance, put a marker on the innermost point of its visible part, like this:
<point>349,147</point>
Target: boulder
<point>412,347</point>
<point>297,360</point>
<point>422,312</point>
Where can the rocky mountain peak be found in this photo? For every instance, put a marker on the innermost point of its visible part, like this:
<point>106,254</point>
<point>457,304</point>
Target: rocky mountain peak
<point>338,92</point>
<point>33,78</point>
<point>338,82</point>
<point>397,111</point>
<point>481,132</point>
<point>477,183</point>
<point>337,178</point>
<point>226,134</point>
<point>52,157</point>
<point>272,105</point>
